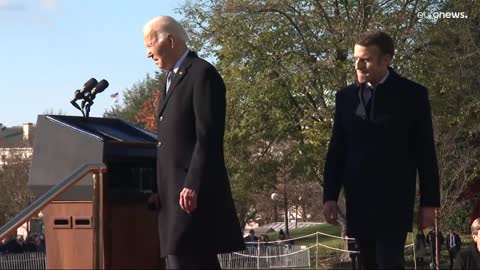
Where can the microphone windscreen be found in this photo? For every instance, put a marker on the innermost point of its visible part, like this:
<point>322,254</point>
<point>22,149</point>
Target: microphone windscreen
<point>89,85</point>
<point>102,85</point>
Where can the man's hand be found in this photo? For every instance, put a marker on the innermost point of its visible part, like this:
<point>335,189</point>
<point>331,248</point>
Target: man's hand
<point>426,217</point>
<point>188,200</point>
<point>330,212</point>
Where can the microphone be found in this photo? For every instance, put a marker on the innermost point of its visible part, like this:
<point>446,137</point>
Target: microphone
<point>80,94</point>
<point>90,96</point>
<point>87,94</point>
<point>100,87</point>
<point>88,100</point>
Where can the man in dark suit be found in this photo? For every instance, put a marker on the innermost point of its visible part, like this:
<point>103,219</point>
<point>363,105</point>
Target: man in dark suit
<point>454,244</point>
<point>469,258</point>
<point>197,217</point>
<point>382,136</point>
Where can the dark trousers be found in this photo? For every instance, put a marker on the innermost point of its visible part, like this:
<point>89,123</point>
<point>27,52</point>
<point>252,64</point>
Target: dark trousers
<point>193,262</point>
<point>382,252</point>
<point>452,253</point>
<point>355,261</point>
<point>421,262</point>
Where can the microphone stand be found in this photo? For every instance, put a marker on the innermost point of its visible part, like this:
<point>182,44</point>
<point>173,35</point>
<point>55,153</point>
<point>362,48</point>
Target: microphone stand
<point>87,102</point>
<point>78,107</point>
<point>87,108</point>
<point>77,96</point>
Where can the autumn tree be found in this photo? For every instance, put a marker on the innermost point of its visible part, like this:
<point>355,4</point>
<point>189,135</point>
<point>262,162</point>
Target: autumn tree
<point>139,102</point>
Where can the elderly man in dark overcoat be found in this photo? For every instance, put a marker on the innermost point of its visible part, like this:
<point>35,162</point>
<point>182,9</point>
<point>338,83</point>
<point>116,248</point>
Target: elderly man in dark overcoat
<point>197,217</point>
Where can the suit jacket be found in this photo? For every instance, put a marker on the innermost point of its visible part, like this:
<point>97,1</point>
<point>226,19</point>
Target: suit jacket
<point>190,155</point>
<point>376,160</point>
<point>456,244</point>
<point>468,259</point>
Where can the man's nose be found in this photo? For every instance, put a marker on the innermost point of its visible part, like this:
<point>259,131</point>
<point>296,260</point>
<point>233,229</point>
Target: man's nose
<point>149,54</point>
<point>359,64</point>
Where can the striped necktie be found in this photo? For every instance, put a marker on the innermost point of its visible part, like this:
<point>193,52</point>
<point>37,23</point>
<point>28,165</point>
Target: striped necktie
<point>169,79</point>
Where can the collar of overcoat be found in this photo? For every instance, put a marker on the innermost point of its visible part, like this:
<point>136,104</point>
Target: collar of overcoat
<point>177,78</point>
<point>391,80</point>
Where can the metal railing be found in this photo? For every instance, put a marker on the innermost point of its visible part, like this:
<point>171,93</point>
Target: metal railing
<point>31,260</point>
<point>267,257</point>
<point>98,169</point>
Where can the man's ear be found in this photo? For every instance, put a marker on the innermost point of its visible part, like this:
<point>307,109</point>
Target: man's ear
<point>387,59</point>
<point>171,40</point>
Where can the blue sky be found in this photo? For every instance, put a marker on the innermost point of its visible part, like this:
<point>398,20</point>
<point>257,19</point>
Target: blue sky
<point>49,48</point>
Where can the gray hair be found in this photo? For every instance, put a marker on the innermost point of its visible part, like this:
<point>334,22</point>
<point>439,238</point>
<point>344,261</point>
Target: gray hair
<point>166,25</point>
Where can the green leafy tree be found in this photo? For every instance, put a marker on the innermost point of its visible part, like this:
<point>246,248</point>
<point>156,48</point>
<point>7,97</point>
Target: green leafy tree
<point>283,61</point>
<point>449,65</point>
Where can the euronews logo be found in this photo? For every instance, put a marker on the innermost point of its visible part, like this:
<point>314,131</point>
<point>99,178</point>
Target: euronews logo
<point>442,15</point>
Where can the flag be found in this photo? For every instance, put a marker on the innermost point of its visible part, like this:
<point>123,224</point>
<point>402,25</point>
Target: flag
<point>115,96</point>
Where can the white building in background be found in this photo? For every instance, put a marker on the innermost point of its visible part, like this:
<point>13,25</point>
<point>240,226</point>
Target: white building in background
<point>21,152</point>
<point>16,142</point>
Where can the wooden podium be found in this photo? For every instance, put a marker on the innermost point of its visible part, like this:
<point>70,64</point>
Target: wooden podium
<point>63,144</point>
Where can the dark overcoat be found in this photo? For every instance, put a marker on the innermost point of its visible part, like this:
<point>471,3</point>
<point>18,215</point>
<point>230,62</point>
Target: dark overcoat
<point>191,123</point>
<point>468,258</point>
<point>377,159</point>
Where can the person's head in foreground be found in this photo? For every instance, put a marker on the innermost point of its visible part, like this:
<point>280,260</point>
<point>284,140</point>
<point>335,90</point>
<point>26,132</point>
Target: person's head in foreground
<point>476,232</point>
